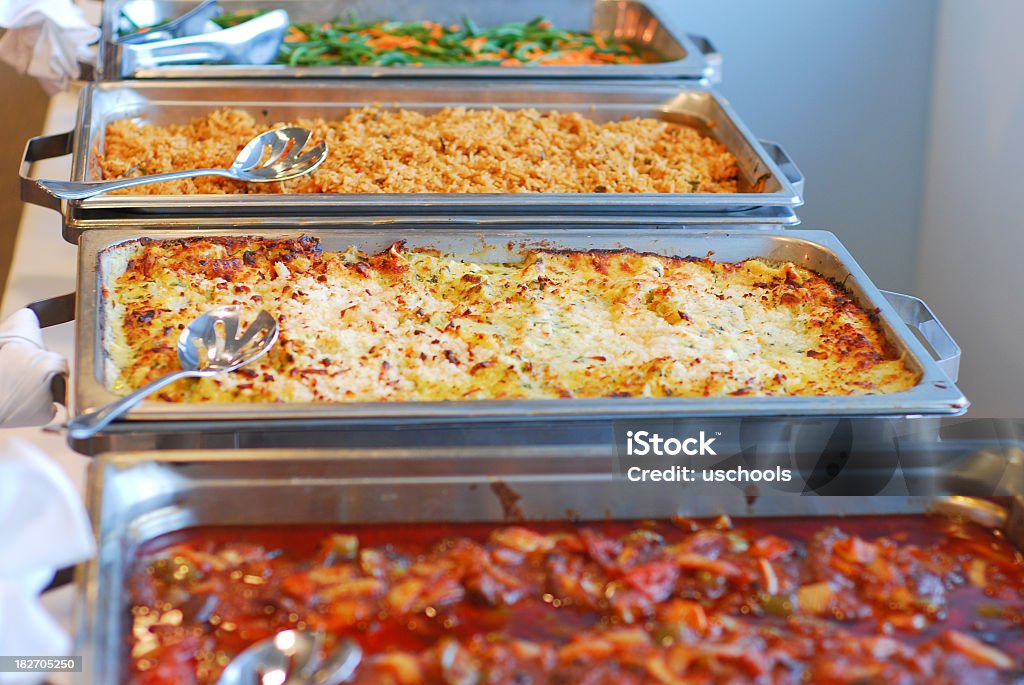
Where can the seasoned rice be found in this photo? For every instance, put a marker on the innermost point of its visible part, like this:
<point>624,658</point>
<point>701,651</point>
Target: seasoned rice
<point>456,150</point>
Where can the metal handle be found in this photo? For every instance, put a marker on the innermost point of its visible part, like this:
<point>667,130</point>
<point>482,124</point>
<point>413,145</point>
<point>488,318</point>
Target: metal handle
<point>38,149</point>
<point>786,165</point>
<point>87,71</point>
<point>712,57</point>
<point>54,311</point>
<point>185,50</point>
<point>79,190</point>
<point>87,425</point>
<point>918,315</point>
<point>63,576</point>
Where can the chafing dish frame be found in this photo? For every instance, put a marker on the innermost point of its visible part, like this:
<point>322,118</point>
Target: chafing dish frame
<point>763,167</point>
<point>686,57</point>
<point>135,497</point>
<point>935,394</point>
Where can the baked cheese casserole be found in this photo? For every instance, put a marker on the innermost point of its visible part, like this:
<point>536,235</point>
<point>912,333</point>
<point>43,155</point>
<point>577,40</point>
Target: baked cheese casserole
<point>413,324</point>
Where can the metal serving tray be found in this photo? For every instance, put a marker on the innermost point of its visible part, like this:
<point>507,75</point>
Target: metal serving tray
<point>686,57</point>
<point>936,394</point>
<point>136,497</point>
<point>770,184</point>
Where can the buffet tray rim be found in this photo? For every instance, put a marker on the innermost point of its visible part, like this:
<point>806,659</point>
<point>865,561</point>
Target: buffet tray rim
<point>934,394</point>
<point>99,100</point>
<point>694,64</point>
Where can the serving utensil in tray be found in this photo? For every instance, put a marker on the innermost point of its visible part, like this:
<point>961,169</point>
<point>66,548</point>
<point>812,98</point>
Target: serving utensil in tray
<point>683,56</point>
<point>213,343</point>
<point>136,497</point>
<point>145,27</point>
<point>297,657</point>
<point>936,393</point>
<point>770,185</point>
<point>271,156</point>
<point>252,43</point>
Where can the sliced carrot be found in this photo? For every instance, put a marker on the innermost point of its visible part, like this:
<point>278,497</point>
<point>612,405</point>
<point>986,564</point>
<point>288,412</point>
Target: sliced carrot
<point>388,41</point>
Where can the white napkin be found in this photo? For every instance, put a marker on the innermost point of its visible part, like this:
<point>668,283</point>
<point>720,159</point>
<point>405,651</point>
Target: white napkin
<point>44,527</point>
<point>26,372</point>
<point>45,39</point>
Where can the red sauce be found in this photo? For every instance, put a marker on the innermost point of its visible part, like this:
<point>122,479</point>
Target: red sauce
<point>779,600</point>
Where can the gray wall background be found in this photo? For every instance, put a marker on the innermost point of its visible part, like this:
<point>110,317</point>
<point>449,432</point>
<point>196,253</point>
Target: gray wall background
<point>972,236</point>
<point>844,86</point>
<point>906,117</point>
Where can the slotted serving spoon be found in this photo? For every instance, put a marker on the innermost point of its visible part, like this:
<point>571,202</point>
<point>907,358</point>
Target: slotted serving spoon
<point>293,657</point>
<point>272,156</point>
<point>210,345</point>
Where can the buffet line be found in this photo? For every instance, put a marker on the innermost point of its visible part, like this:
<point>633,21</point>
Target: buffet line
<point>445,127</point>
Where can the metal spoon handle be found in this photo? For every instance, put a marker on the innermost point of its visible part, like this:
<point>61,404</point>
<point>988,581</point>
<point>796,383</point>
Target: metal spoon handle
<point>189,23</point>
<point>339,666</point>
<point>89,424</point>
<point>79,190</point>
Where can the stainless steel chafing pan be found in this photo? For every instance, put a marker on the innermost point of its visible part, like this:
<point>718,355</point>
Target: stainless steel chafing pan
<point>683,56</point>
<point>136,497</point>
<point>935,394</point>
<point>770,184</point>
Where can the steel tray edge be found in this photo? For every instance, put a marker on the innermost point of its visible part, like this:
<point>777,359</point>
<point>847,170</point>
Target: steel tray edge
<point>649,97</point>
<point>695,63</point>
<point>156,489</point>
<point>935,394</point>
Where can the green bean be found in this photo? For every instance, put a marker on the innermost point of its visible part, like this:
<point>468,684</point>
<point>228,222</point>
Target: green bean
<point>389,58</point>
<point>520,53</point>
<point>548,55</point>
<point>431,50</point>
<point>229,19</point>
<point>471,28</point>
<point>553,34</point>
<point>511,32</point>
<point>296,55</point>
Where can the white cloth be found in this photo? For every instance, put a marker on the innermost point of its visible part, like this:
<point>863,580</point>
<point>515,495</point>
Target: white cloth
<point>45,39</point>
<point>43,527</point>
<point>27,370</point>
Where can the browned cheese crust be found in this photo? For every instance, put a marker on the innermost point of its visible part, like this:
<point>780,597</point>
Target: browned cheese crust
<point>417,325</point>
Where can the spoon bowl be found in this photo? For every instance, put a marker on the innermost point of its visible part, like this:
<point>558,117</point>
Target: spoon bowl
<point>293,657</point>
<point>276,155</point>
<point>213,343</point>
